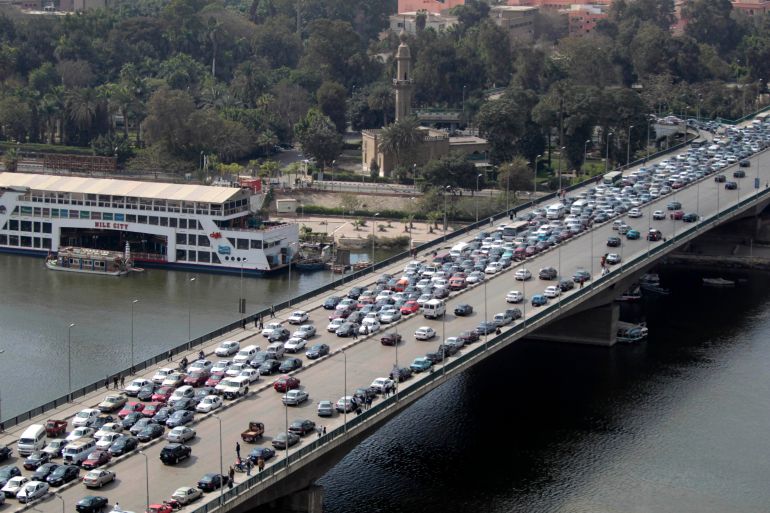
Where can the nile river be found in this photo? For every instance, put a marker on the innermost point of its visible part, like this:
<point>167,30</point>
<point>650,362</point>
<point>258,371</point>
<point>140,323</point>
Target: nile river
<point>676,424</point>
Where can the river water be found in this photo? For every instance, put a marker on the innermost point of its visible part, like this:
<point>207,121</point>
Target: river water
<point>678,423</point>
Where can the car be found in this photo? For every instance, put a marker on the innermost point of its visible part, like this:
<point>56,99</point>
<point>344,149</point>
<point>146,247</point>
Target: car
<point>289,365</point>
<point>14,485</point>
<point>463,310</point>
<point>5,452</point>
<point>210,482</point>
<point>468,337</point>
<point>208,404</point>
<point>457,283</point>
<point>347,329</point>
<point>690,217</point>
<point>153,431</point>
<point>281,440</point>
<point>612,258</point>
<point>7,472</point>
<point>581,276</point>
<point>186,495</point>
<point>150,409</point>
<point>185,403</point>
<point>382,385</point>
<point>658,215</point>
<point>400,374</point>
<point>197,378</point>
<point>420,364</point>
<point>298,317</point>
<point>317,351</point>
<point>325,409</point>
<point>130,408</point>
<point>739,173</point>
<point>485,327</point>
<point>424,333</point>
<point>112,402</point>
<point>140,425</point>
<point>295,397</point>
<point>227,348</point>
<point>514,296</point>
<point>613,242</point>
<point>389,315</point>
<point>634,213</point>
<point>145,393</point>
<point>720,178</point>
<point>55,447</point>
<point>178,418</point>
<point>286,383</point>
<point>674,205</point>
<point>294,344</point>
<point>346,404</point>
<point>181,434</point>
<point>261,452</point>
<point>269,367</point>
<point>731,186</point>
<point>269,327</point>
<point>539,300</point>
<point>163,394</point>
<point>744,163</point>
<point>171,454</point>
<point>81,432</point>
<point>633,235</point>
<point>133,388</point>
<point>677,215</point>
<point>410,307</point>
<point>332,302</point>
<point>391,339</point>
<point>87,416</point>
<point>96,459</point>
<point>654,235</point>
<point>449,349</point>
<point>32,491</point>
<point>36,459</point>
<point>106,441</point>
<point>123,445</point>
<point>43,471</point>
<point>98,478</point>
<point>279,335</point>
<point>91,504</point>
<point>163,414</point>
<point>522,274</point>
<point>369,326</point>
<point>302,427</point>
<point>548,273</point>
<point>175,379</point>
<point>63,474</point>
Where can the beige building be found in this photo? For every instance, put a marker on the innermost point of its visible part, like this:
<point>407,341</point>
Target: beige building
<point>408,22</point>
<point>517,21</point>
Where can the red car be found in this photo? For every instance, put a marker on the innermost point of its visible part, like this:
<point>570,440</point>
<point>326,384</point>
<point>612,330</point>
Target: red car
<point>457,283</point>
<point>677,215</point>
<point>96,459</point>
<point>410,307</point>
<point>151,409</point>
<point>163,394</point>
<point>197,378</point>
<point>214,380</point>
<point>342,313</point>
<point>131,408</point>
<point>285,383</point>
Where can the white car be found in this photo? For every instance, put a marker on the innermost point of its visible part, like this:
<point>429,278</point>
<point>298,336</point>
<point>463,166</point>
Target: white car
<point>335,324</point>
<point>369,326</point>
<point>298,317</point>
<point>514,296</point>
<point>236,369</point>
<point>32,491</point>
<point>634,213</point>
<point>295,397</point>
<point>183,392</point>
<point>294,344</point>
<point>251,374</point>
<point>382,385</point>
<point>552,291</point>
<point>204,365</point>
<point>186,495</point>
<point>182,434</point>
<point>424,333</point>
<point>161,374</point>
<point>81,432</point>
<point>14,485</point>
<point>267,330</point>
<point>228,348</point>
<point>209,403</point>
<point>221,366</point>
<point>172,379</point>
<point>106,440</point>
<point>522,274</point>
<point>493,268</point>
<point>136,385</point>
<point>87,416</point>
<point>305,331</point>
<point>659,215</point>
<point>613,258</point>
<point>108,429</point>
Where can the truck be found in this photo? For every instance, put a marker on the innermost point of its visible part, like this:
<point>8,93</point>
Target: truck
<point>254,433</point>
<point>55,428</point>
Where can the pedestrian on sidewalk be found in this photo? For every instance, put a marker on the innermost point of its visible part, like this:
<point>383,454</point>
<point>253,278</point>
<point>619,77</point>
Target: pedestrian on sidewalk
<point>170,355</point>
<point>256,322</point>
<point>231,474</point>
<point>249,465</point>
<point>324,432</point>
<point>107,382</point>
<point>261,464</point>
<point>115,382</point>
<point>122,381</point>
<point>261,325</point>
<point>319,431</point>
<point>272,312</point>
<point>243,324</point>
<point>238,450</point>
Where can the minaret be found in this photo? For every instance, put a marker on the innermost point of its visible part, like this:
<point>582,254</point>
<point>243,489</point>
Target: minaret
<point>403,80</point>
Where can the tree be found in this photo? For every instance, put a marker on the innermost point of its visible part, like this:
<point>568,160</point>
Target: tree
<point>502,121</point>
<point>401,139</point>
<point>710,22</point>
<point>15,118</point>
<point>450,171</point>
<point>277,43</point>
<point>331,98</point>
<point>516,175</point>
<point>381,99</point>
<point>166,124</point>
<point>334,50</point>
<point>318,136</point>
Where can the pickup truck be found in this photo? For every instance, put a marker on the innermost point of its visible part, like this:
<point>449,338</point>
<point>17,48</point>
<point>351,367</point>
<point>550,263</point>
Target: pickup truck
<point>55,428</point>
<point>254,433</point>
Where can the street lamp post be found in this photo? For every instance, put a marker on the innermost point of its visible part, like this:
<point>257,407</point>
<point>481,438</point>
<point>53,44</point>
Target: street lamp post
<point>508,190</point>
<point>189,310</point>
<point>628,146</point>
<point>69,360</point>
<point>133,302</point>
<point>241,299</point>
<point>585,150</point>
<point>289,255</point>
<point>534,179</point>
<point>146,480</point>
<point>464,86</point>
<point>221,465</point>
<point>649,123</point>
<point>345,390</point>
<point>561,150</point>
<point>374,219</point>
<point>486,318</point>
<point>62,501</point>
<point>607,157</point>
<point>477,196</point>
<point>286,426</point>
<point>448,189</point>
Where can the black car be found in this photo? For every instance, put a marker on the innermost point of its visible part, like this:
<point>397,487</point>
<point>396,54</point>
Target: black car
<point>43,471</point>
<point>302,427</point>
<point>264,452</point>
<point>744,163</point>
<point>739,173</point>
<point>355,292</point>
<point>184,403</point>
<point>720,178</point>
<point>731,186</point>
<point>435,356</point>
<point>5,452</point>
<point>362,394</point>
<point>259,358</point>
<point>279,335</point>
<point>162,415</point>
<point>131,419</point>
<point>440,293</point>
<point>347,329</point>
<point>290,364</point>
<point>63,474</point>
<point>281,440</point>
<point>690,218</point>
<point>91,504</point>
<point>566,284</point>
<point>514,313</point>
<point>390,339</point>
<point>101,420</point>
<point>7,472</point>
<point>123,445</point>
<point>581,276</point>
<point>399,374</point>
<point>151,432</point>
<point>332,302</point>
<point>469,336</point>
<point>463,310</point>
<point>548,273</point>
<point>145,393</point>
<point>172,453</point>
<point>613,242</point>
<point>674,205</point>
<point>36,459</point>
<point>317,351</point>
<point>210,482</point>
<point>140,425</point>
<point>447,349</point>
<point>269,367</point>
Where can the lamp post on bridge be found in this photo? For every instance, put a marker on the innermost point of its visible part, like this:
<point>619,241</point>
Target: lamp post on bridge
<point>374,222</point>
<point>477,196</point>
<point>607,156</point>
<point>534,179</point>
<point>146,480</point>
<point>628,146</point>
<point>585,151</point>
<point>189,310</point>
<point>133,302</point>
<point>69,361</point>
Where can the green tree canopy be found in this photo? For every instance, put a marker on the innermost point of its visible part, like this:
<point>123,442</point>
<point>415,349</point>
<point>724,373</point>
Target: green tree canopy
<point>318,136</point>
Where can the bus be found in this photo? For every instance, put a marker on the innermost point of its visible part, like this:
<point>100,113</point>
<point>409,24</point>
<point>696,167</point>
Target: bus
<point>698,143</point>
<point>612,177</point>
<point>510,231</point>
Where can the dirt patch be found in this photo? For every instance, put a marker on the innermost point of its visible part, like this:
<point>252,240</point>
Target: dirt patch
<point>371,202</point>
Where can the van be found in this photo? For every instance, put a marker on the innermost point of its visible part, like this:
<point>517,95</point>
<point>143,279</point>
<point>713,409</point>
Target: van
<point>458,249</point>
<point>246,354</point>
<point>433,309</point>
<point>31,440</point>
<point>554,211</point>
<point>76,452</point>
<point>275,351</point>
<point>230,388</point>
<point>577,207</point>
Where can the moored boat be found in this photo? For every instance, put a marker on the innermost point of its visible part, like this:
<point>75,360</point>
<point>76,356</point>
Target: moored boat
<point>90,261</point>
<point>632,294</point>
<point>629,333</point>
<point>718,282</point>
<point>655,289</point>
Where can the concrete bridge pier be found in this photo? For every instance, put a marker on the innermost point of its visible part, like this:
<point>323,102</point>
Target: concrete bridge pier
<point>309,500</point>
<point>596,326</point>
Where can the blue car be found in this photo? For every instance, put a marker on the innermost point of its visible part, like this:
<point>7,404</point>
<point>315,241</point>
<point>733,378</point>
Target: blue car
<point>486,327</point>
<point>421,364</point>
<point>539,300</point>
<point>632,235</point>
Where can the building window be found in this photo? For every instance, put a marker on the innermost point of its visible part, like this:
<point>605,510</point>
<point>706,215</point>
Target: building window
<point>46,227</point>
<point>181,238</point>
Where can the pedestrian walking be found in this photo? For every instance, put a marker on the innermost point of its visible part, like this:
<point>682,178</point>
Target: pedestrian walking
<point>324,432</point>
<point>249,464</point>
<point>319,431</point>
<point>122,381</point>
<point>170,356</point>
<point>261,464</point>
<point>272,312</point>
<point>581,284</point>
<point>256,322</point>
<point>231,473</point>
<point>238,450</point>
<point>243,324</point>
<point>115,382</point>
<point>107,382</point>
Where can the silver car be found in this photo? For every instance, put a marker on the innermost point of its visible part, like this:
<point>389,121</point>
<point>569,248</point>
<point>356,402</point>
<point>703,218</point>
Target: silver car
<point>180,434</point>
<point>325,409</point>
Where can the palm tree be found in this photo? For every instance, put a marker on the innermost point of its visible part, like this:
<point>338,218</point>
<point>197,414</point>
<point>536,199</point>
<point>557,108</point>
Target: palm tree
<point>400,139</point>
<point>121,100</point>
<point>82,106</point>
<point>55,104</point>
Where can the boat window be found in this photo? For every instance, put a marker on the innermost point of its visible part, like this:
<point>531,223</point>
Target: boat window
<point>84,214</point>
<point>37,242</point>
<point>46,243</point>
<point>164,221</point>
<point>181,238</point>
<point>74,214</point>
<point>243,243</point>
<point>55,212</point>
<point>203,240</point>
<point>215,258</point>
<point>96,215</point>
<point>26,242</point>
<point>191,239</point>
<point>13,225</point>
<point>256,244</point>
<point>13,240</point>
<point>37,212</point>
<point>172,222</point>
<point>153,220</point>
<point>107,216</point>
<point>3,239</point>
<point>204,256</point>
<point>142,219</point>
<point>36,226</point>
<point>88,263</point>
<point>181,255</point>
<point>119,217</point>
<point>26,226</point>
<point>46,212</point>
<point>130,218</point>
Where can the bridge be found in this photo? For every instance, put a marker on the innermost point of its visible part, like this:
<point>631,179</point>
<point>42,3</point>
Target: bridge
<point>583,315</point>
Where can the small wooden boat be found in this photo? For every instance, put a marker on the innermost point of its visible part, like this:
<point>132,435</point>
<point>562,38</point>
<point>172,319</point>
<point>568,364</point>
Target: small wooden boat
<point>628,333</point>
<point>718,282</point>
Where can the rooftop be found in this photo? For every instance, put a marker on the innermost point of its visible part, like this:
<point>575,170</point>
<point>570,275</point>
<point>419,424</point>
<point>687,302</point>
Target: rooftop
<point>109,186</point>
